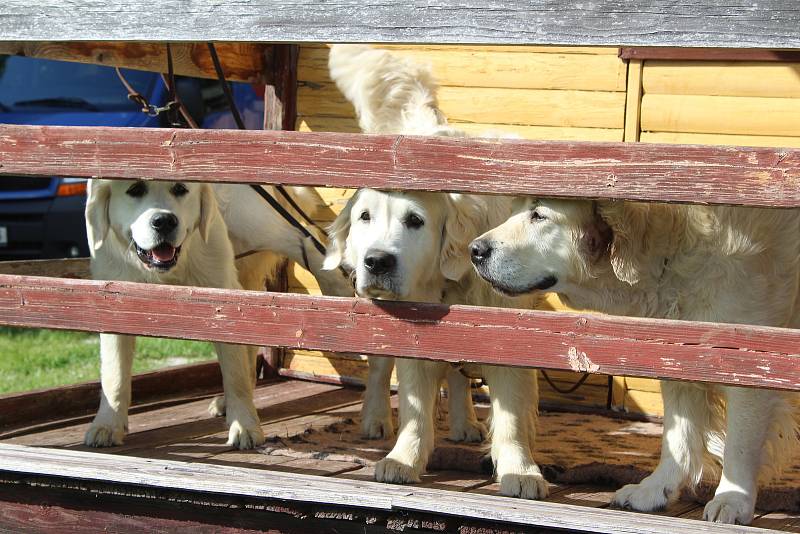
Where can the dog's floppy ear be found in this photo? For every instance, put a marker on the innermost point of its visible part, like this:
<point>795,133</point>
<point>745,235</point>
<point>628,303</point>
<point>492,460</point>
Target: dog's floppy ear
<point>463,223</point>
<point>98,194</point>
<point>596,237</point>
<point>337,236</point>
<point>627,222</point>
<point>208,210</point>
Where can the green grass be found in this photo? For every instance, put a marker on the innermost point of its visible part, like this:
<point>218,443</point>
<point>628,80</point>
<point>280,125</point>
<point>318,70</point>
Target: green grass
<point>33,358</point>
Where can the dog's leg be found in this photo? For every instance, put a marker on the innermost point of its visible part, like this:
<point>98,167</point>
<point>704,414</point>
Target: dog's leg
<point>750,412</point>
<point>376,412</point>
<point>419,387</point>
<point>464,424</point>
<point>515,399</point>
<point>686,412</point>
<point>110,425</point>
<point>238,379</point>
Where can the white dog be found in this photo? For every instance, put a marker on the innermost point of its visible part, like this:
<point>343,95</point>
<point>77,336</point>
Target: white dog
<point>414,247</point>
<point>722,264</point>
<point>174,233</point>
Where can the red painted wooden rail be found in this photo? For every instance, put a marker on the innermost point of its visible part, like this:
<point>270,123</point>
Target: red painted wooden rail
<point>731,354</point>
<point>742,355</point>
<point>667,173</point>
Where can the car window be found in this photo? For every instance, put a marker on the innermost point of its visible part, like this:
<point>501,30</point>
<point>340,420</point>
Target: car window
<point>30,82</point>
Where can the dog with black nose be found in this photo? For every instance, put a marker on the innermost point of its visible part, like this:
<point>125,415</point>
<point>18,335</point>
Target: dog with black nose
<point>414,246</point>
<point>164,233</point>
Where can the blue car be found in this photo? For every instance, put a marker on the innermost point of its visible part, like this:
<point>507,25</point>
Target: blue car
<point>43,217</point>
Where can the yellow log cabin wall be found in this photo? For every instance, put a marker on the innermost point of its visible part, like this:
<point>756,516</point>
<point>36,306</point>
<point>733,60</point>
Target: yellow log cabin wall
<point>554,93</point>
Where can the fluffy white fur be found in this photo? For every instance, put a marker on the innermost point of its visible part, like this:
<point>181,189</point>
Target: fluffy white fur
<point>427,234</point>
<point>118,222</point>
<point>722,264</point>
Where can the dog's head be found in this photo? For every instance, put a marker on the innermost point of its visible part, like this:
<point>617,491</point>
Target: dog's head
<point>152,219</point>
<point>402,246</point>
<point>551,244</point>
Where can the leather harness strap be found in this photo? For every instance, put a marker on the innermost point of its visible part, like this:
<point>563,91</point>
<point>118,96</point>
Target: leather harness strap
<point>257,188</point>
<point>174,105</point>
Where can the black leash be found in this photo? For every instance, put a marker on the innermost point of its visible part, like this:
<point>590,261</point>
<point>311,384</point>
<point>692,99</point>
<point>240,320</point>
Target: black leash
<point>569,390</point>
<point>226,89</point>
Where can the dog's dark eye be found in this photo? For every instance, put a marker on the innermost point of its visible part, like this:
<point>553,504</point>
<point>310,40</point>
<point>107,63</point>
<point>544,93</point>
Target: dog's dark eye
<point>178,190</point>
<point>537,216</point>
<point>414,221</point>
<point>364,216</point>
<point>138,189</point>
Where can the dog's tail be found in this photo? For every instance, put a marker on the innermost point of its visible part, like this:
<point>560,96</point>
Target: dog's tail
<point>390,94</point>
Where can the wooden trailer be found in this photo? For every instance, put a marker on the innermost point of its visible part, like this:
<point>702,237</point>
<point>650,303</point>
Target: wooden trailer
<point>696,73</point>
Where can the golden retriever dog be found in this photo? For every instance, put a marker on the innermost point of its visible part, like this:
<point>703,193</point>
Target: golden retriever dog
<point>699,263</point>
<point>176,233</point>
<point>414,247</point>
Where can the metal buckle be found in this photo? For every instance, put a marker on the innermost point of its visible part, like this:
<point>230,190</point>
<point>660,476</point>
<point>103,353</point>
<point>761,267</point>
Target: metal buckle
<point>154,111</point>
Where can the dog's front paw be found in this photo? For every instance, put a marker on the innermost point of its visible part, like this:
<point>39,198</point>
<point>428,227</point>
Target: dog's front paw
<point>468,431</point>
<point>732,508</point>
<point>530,485</point>
<point>642,497</point>
<point>105,434</point>
<point>391,471</point>
<point>375,426</point>
<point>243,437</point>
<point>217,407</point>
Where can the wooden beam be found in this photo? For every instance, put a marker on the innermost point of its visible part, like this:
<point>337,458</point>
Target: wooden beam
<point>53,508</point>
<point>731,354</point>
<point>241,62</point>
<point>280,98</point>
<point>733,24</point>
<point>633,101</point>
<point>280,113</point>
<point>54,467</point>
<point>18,409</point>
<point>665,173</point>
<point>707,54</point>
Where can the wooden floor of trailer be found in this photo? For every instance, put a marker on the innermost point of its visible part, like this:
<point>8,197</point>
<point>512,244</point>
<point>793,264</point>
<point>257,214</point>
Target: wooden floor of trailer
<point>179,428</point>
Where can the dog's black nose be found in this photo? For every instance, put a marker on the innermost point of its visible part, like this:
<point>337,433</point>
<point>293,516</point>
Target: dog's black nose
<point>480,251</point>
<point>378,262</point>
<point>164,223</point>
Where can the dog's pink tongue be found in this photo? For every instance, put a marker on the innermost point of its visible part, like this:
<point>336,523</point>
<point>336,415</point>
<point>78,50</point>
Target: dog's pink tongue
<point>163,253</point>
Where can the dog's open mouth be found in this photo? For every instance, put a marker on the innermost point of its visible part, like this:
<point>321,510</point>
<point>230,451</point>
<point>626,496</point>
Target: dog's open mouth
<point>162,257</point>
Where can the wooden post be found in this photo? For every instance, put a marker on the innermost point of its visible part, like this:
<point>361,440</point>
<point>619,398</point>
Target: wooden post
<point>280,113</point>
<point>633,101</point>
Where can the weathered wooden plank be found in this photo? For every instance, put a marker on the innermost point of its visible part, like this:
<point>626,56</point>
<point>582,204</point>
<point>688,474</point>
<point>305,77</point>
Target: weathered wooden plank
<point>723,78</point>
<point>733,354</point>
<point>668,173</point>
<point>737,23</point>
<point>721,114</point>
<point>525,49</point>
<point>455,66</point>
<point>685,138</point>
<point>582,109</point>
<point>707,54</point>
<point>550,133</point>
<point>645,402</point>
<point>778,521</point>
<point>88,508</point>
<point>35,510</point>
<point>241,62</point>
<point>42,405</point>
<point>294,488</point>
<point>161,425</point>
